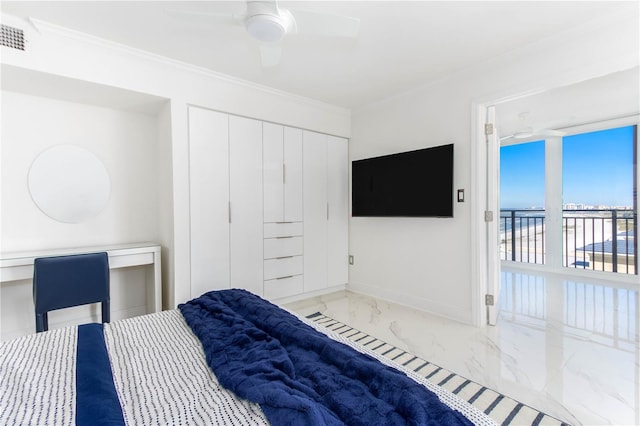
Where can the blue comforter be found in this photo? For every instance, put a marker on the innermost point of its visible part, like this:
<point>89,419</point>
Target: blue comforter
<point>298,375</point>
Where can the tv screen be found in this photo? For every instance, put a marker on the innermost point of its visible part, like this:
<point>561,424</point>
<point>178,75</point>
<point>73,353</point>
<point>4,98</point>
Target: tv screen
<point>413,184</point>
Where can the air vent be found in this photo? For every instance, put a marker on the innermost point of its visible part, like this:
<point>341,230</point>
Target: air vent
<point>12,37</point>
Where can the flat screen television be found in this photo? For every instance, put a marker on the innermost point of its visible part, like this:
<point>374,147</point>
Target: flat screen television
<point>411,184</point>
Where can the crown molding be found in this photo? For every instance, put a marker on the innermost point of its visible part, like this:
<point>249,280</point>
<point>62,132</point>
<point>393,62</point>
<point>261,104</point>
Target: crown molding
<point>46,28</point>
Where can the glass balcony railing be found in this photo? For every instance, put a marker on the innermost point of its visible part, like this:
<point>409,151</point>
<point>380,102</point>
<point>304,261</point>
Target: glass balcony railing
<point>602,240</point>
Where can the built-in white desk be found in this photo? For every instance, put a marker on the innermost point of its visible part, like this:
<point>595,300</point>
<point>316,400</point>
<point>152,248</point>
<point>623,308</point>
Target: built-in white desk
<point>19,265</point>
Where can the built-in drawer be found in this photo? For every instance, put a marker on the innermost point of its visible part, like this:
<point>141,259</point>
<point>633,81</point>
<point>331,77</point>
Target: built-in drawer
<point>282,246</point>
<point>282,267</point>
<point>283,287</point>
<point>282,229</point>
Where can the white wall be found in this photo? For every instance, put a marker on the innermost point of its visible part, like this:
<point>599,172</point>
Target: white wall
<point>123,141</point>
<point>431,263</point>
<point>78,57</point>
<point>165,203</point>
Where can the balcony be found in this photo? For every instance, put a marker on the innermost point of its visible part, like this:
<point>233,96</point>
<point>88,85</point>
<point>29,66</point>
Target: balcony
<point>599,240</point>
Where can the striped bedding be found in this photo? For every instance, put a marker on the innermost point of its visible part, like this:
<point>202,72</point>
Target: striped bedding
<point>159,373</point>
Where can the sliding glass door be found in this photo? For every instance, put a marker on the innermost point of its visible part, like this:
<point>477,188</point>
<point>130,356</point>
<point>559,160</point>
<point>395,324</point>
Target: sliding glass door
<point>571,201</point>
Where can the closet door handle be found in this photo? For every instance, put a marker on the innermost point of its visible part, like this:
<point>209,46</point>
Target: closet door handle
<point>229,211</point>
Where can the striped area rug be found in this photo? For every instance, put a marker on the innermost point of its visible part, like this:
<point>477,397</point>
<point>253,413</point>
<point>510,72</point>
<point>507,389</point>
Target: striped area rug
<point>502,409</point>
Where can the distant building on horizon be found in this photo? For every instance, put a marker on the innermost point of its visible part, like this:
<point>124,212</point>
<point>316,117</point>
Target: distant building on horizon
<point>581,206</point>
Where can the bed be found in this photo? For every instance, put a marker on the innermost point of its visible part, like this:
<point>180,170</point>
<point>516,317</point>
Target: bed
<point>227,357</point>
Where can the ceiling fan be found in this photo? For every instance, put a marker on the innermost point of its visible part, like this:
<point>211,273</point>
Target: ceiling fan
<point>269,24</point>
<point>530,132</point>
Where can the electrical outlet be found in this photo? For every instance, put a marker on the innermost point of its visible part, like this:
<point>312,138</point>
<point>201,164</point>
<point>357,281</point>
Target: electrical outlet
<point>350,259</point>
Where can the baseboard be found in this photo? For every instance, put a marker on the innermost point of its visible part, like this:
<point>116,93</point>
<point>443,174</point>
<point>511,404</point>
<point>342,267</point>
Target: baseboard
<point>412,301</point>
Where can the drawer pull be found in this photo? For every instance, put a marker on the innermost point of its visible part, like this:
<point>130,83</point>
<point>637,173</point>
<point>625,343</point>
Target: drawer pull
<point>284,257</point>
<point>288,236</point>
<point>284,278</point>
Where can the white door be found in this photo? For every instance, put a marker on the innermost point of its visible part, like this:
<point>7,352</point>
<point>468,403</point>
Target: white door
<point>493,205</point>
<point>293,175</point>
<point>338,198</point>
<point>315,210</point>
<point>273,172</point>
<point>282,172</point>
<point>209,194</point>
<point>246,205</point>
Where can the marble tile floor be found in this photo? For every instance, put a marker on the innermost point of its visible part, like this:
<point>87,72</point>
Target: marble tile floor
<point>567,347</point>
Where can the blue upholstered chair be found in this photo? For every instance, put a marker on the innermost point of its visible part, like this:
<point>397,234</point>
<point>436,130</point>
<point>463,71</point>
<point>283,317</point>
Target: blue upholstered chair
<point>66,281</point>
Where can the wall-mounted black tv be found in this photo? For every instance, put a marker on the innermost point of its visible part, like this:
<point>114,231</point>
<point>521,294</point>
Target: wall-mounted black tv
<point>412,184</point>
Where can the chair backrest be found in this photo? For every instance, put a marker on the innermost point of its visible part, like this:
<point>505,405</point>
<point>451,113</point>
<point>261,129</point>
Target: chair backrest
<point>65,281</point>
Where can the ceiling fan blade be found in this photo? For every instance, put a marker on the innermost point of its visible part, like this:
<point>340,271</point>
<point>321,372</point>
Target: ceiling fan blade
<point>262,7</point>
<point>529,133</point>
<point>205,18</point>
<point>270,55</point>
<point>550,132</point>
<point>325,25</point>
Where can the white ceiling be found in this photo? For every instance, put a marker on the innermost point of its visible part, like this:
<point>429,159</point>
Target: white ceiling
<point>401,44</point>
<point>606,98</point>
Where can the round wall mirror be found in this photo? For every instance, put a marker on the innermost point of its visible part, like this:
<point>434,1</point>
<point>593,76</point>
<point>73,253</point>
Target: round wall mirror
<point>69,184</point>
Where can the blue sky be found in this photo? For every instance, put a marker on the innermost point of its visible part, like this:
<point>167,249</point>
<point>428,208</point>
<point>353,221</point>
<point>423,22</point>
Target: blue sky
<point>597,169</point>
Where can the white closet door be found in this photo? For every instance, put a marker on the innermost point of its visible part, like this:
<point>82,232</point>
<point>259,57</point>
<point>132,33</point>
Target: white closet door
<point>338,195</point>
<point>273,172</point>
<point>209,193</point>
<point>293,175</point>
<point>315,210</point>
<point>245,169</point>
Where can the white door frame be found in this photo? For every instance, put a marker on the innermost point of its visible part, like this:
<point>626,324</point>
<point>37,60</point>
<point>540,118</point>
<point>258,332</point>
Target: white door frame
<point>492,206</point>
<point>480,260</point>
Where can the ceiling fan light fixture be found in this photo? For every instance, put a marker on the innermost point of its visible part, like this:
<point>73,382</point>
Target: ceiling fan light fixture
<point>267,28</point>
<point>523,134</point>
